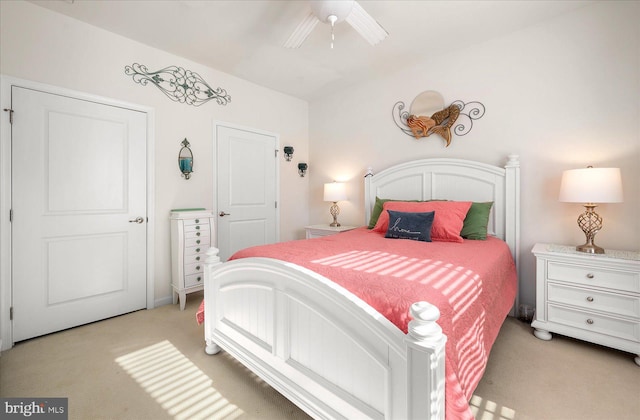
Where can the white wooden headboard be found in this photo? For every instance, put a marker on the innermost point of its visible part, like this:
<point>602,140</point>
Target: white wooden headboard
<point>455,179</point>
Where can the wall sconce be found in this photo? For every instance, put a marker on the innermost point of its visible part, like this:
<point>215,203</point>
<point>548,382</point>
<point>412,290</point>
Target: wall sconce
<point>185,159</point>
<point>288,153</point>
<point>302,168</point>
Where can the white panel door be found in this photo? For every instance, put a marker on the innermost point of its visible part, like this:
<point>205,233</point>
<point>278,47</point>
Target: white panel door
<point>246,184</point>
<point>78,179</point>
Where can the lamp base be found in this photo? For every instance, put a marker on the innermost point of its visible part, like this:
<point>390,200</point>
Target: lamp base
<point>590,222</point>
<point>335,211</point>
<point>590,249</point>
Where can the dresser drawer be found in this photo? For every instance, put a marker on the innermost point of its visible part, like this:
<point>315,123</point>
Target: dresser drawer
<point>628,330</point>
<point>586,275</point>
<point>193,280</point>
<point>196,228</point>
<point>193,268</point>
<point>195,242</point>
<point>618,304</point>
<point>195,250</point>
<point>194,259</point>
<point>196,234</point>
<point>197,221</point>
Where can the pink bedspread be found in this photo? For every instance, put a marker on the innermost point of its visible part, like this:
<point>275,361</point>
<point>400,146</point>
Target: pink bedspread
<point>472,283</point>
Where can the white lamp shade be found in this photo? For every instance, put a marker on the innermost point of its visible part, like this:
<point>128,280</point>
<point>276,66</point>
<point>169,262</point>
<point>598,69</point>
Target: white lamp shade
<point>335,191</point>
<point>591,185</point>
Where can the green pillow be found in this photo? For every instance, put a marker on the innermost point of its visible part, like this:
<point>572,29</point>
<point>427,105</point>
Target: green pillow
<point>375,213</point>
<point>476,221</point>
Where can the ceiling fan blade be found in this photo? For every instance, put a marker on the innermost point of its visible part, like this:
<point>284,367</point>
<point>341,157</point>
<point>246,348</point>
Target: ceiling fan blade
<point>365,25</point>
<point>302,31</point>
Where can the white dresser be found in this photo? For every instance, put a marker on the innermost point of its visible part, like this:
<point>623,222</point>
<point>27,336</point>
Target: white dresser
<point>192,233</point>
<point>591,297</point>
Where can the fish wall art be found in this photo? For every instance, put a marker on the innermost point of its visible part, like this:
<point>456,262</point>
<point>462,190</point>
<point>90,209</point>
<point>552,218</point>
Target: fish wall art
<point>428,115</point>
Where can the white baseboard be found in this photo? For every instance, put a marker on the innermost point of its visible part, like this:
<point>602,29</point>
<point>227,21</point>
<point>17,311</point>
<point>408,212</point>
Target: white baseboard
<point>167,300</point>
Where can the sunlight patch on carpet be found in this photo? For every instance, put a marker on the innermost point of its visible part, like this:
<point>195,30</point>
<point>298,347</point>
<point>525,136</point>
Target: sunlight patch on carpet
<point>176,383</point>
<point>488,410</point>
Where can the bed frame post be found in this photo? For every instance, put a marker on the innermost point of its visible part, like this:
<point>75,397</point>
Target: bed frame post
<point>425,353</point>
<point>211,262</point>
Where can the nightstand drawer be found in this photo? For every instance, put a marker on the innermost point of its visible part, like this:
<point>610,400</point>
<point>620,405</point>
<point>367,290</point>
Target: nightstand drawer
<point>596,300</point>
<point>628,330</point>
<point>585,275</point>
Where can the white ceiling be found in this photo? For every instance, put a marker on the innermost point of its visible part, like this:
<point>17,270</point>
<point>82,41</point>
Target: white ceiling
<point>244,37</point>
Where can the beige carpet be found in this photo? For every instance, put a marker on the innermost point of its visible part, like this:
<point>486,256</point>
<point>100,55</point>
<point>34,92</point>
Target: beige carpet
<point>151,365</point>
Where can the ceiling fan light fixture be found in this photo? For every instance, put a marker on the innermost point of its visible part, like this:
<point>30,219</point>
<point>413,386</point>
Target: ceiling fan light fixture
<point>336,11</point>
<point>324,9</point>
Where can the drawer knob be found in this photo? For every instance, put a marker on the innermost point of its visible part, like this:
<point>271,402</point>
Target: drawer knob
<point>589,299</point>
<point>199,278</point>
<point>198,259</point>
<point>197,249</point>
<point>197,267</point>
<point>590,321</point>
<point>197,221</point>
<point>197,227</point>
<point>197,233</point>
<point>198,241</point>
<point>590,276</point>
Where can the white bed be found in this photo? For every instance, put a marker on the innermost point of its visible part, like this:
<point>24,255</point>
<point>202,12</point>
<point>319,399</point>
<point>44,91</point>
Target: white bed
<point>264,312</point>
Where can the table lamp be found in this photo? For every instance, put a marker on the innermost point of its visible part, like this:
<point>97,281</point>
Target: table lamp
<point>591,186</point>
<point>335,191</point>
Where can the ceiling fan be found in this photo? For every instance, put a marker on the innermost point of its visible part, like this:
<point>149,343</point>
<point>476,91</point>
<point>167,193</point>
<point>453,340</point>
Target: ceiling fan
<point>336,11</point>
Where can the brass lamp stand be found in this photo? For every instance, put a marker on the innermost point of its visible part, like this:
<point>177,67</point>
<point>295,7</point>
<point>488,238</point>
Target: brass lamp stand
<point>335,211</point>
<point>590,222</point>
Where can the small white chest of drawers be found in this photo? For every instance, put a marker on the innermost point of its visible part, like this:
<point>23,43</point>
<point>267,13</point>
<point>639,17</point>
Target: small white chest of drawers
<point>191,236</point>
<point>592,297</point>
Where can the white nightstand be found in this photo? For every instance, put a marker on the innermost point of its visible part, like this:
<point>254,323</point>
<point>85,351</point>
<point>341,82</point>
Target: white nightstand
<point>592,297</point>
<point>316,231</point>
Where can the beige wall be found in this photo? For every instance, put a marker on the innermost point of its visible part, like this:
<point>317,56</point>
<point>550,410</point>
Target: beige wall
<point>45,47</point>
<point>563,94</point>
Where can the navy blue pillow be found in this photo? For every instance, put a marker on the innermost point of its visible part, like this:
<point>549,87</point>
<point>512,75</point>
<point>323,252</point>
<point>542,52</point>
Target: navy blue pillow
<point>416,226</point>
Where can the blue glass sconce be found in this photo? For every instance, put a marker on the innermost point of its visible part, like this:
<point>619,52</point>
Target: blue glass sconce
<point>185,159</point>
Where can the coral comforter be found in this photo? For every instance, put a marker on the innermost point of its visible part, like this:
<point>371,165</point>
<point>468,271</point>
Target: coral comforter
<point>472,283</point>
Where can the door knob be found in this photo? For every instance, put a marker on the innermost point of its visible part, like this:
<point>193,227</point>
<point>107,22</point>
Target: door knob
<point>222,214</point>
<point>137,220</point>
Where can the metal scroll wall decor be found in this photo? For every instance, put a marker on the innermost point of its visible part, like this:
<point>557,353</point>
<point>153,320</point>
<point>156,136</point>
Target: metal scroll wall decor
<point>428,115</point>
<point>178,84</point>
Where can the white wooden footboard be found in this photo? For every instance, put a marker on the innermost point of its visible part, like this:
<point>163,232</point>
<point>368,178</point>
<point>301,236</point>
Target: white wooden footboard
<point>319,345</point>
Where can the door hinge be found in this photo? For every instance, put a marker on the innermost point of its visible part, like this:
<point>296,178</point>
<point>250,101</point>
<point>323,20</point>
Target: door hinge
<point>11,313</point>
<point>10,215</point>
<point>276,154</point>
<point>276,204</point>
<point>10,111</point>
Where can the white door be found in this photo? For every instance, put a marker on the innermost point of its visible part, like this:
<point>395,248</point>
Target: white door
<point>246,184</point>
<point>78,179</point>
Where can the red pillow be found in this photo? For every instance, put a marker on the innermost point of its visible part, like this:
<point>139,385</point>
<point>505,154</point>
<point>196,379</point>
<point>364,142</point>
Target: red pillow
<point>448,221</point>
